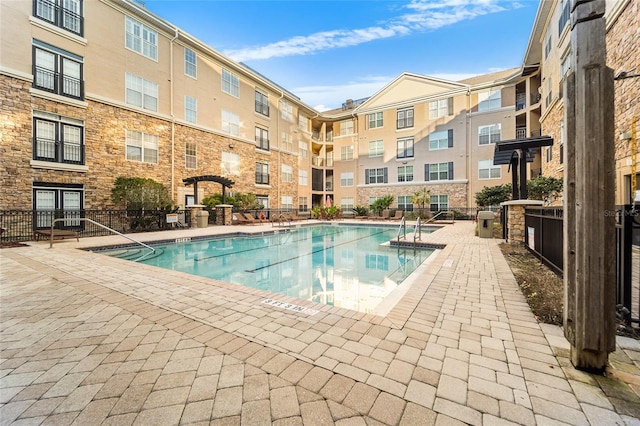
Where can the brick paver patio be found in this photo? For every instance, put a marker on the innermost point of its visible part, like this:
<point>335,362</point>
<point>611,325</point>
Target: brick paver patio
<point>92,340</point>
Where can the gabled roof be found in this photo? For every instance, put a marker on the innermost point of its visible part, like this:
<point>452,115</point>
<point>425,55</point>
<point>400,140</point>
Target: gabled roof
<point>408,88</point>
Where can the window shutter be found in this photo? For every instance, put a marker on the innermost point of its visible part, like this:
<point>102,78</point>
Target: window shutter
<point>450,137</point>
<point>450,102</point>
<point>450,170</point>
<point>426,172</point>
<point>385,178</point>
<point>366,176</point>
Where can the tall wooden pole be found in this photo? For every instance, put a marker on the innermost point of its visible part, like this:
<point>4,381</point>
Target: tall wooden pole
<point>589,223</point>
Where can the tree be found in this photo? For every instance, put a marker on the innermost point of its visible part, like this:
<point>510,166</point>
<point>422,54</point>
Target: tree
<point>544,188</point>
<point>493,195</point>
<point>382,203</point>
<point>421,198</point>
<point>140,194</point>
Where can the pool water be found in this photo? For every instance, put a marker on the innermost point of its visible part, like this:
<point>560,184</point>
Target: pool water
<point>343,266</point>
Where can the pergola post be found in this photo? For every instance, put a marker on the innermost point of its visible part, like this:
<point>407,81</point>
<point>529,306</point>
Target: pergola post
<point>589,227</point>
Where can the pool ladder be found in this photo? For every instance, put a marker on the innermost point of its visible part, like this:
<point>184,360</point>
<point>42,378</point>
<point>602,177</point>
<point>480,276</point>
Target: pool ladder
<point>402,229</point>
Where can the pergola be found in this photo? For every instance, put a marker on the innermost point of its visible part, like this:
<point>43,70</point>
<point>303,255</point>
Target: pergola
<point>519,152</point>
<point>226,183</point>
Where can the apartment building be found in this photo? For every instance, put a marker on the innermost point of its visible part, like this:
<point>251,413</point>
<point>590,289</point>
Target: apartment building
<point>91,91</point>
<point>547,61</point>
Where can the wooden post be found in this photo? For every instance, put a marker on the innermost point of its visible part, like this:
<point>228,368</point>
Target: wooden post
<point>589,222</point>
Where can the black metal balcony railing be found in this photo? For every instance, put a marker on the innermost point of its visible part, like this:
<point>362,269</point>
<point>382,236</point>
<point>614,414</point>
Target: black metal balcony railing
<point>61,84</point>
<point>59,16</point>
<point>262,178</point>
<point>58,151</point>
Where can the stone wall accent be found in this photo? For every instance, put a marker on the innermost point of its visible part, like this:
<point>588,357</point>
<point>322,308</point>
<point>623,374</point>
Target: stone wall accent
<point>457,192</point>
<point>551,127</point>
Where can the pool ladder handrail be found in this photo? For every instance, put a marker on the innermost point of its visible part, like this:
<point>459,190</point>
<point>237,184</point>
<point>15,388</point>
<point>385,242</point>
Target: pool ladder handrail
<point>417,231</point>
<point>402,228</point>
<point>101,226</point>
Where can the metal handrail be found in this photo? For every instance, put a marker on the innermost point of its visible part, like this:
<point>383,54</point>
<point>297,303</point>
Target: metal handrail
<point>417,230</point>
<point>439,213</point>
<point>402,227</point>
<point>100,225</point>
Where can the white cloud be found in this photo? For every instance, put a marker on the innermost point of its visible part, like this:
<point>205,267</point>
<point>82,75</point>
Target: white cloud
<point>422,15</point>
<point>328,97</point>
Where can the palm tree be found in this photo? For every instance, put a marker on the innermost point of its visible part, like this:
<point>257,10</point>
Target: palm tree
<point>421,198</point>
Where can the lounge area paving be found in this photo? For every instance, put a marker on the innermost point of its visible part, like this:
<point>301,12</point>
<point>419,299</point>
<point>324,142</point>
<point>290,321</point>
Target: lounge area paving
<point>91,340</point>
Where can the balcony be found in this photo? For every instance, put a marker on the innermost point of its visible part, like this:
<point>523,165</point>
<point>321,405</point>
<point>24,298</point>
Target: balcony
<point>521,133</point>
<point>521,101</point>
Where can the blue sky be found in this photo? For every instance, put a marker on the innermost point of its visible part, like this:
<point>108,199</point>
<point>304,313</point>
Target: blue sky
<point>328,51</point>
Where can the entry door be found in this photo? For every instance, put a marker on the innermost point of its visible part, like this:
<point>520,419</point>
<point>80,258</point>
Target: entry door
<point>45,201</point>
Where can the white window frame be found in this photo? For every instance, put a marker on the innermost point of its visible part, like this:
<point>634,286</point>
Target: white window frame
<point>303,122</point>
<point>440,201</point>
<point>376,148</point>
<point>286,142</point>
<point>303,177</point>
<point>346,127</point>
<point>404,203</point>
<point>141,147</point>
<point>375,120</point>
<point>286,202</point>
<point>489,134</point>
<point>439,140</point>
<point>141,38</point>
<point>346,153</point>
<point>492,171</point>
<point>303,149</point>
<point>287,173</point>
<point>190,63</point>
<point>141,93</point>
<point>347,203</point>
<point>190,109</point>
<point>346,179</point>
<point>405,173</point>
<point>230,123</point>
<point>230,83</point>
<point>286,111</point>
<point>439,169</point>
<point>490,100</point>
<point>190,155</point>
<point>439,108</point>
<point>230,163</point>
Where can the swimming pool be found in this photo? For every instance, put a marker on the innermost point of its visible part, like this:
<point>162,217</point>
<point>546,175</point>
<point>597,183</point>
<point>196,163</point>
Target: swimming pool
<point>339,265</point>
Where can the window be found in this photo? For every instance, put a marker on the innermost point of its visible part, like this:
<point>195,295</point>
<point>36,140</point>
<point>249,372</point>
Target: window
<point>303,177</point>
<point>287,173</point>
<point>405,148</point>
<point>142,147</point>
<point>547,43</point>
<point>346,127</point>
<point>549,154</point>
<point>404,203</point>
<point>286,113</point>
<point>230,163</point>
<point>405,173</point>
<point>50,198</point>
<point>286,142</point>
<point>303,147</point>
<point>374,120</point>
<point>230,123</point>
<point>439,202</point>
<point>57,139</point>
<point>489,100</point>
<point>65,14</point>
<point>347,203</point>
<point>438,171</point>
<point>262,138</point>
<point>487,170</point>
<point>375,176</point>
<point>190,109</point>
<point>262,103</point>
<point>346,179</point>
<point>190,63</point>
<point>141,93</point>
<point>57,71</point>
<point>141,39</point>
<point>489,134</point>
<point>262,173</point>
<point>441,108</point>
<point>303,122</point>
<point>563,137</point>
<point>548,92</point>
<point>565,14</point>
<point>287,202</point>
<point>190,157</point>
<point>376,148</point>
<point>346,153</point>
<point>303,204</point>
<point>565,66</point>
<point>230,83</point>
<point>405,118</point>
<point>377,261</point>
<point>441,140</point>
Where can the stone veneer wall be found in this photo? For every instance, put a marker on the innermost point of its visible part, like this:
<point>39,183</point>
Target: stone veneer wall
<point>105,153</point>
<point>457,192</point>
<point>551,127</point>
<point>516,228</point>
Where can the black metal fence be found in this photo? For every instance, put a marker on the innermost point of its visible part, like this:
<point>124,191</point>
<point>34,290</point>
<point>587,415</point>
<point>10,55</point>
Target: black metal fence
<point>544,236</point>
<point>21,225</point>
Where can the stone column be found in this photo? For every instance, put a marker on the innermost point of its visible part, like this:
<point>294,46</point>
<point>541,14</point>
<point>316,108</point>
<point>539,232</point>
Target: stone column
<point>223,214</point>
<point>195,209</point>
<point>516,230</point>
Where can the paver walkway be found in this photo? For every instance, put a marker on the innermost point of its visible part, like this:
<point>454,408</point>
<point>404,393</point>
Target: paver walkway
<point>88,340</point>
